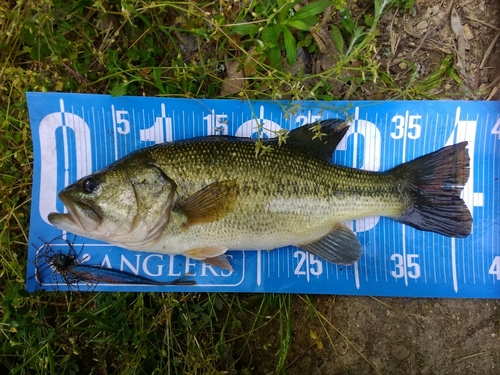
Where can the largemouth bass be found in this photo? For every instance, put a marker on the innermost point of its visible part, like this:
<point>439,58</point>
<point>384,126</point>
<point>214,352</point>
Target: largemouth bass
<point>201,197</point>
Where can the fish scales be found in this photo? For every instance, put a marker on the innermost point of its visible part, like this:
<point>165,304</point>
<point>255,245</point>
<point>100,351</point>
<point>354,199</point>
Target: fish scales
<point>285,194</point>
<point>287,170</point>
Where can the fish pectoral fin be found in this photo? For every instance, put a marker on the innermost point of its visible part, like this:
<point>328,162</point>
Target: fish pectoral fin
<point>212,203</point>
<point>333,131</point>
<point>339,246</point>
<point>213,255</point>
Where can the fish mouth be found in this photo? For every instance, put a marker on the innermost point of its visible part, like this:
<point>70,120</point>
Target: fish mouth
<point>81,218</point>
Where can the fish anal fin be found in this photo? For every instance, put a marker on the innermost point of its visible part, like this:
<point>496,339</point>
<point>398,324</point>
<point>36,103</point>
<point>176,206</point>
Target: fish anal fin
<point>333,131</point>
<point>212,203</point>
<point>213,255</point>
<point>339,246</point>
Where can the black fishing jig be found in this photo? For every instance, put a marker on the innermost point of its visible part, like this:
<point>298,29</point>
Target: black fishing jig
<point>74,272</point>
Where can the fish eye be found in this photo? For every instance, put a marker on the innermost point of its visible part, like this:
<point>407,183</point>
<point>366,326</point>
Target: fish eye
<point>89,184</point>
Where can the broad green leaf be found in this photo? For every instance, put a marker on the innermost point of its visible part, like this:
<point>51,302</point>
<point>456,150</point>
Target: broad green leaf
<point>369,20</point>
<point>246,29</point>
<point>120,89</point>
<point>338,40</point>
<point>271,33</point>
<point>312,9</point>
<point>303,25</point>
<point>275,56</point>
<point>290,46</point>
<point>51,334</point>
<point>347,21</point>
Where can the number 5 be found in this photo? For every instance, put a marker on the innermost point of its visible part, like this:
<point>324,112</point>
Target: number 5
<point>121,120</point>
<point>411,263</point>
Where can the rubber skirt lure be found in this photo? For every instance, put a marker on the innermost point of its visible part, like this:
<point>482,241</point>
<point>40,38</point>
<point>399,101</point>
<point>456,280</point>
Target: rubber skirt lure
<point>73,271</point>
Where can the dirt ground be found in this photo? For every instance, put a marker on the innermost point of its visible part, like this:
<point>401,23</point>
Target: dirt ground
<point>406,335</point>
<point>396,336</point>
<point>386,336</point>
<point>468,30</point>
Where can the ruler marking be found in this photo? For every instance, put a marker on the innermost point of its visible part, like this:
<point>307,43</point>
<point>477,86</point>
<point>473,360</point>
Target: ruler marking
<point>391,225</point>
<point>484,125</point>
<point>288,261</point>
<point>383,261</point>
<point>424,255</point>
<point>421,150</point>
<point>104,145</point>
<point>308,266</point>
<point>446,260</point>
<point>370,136</point>
<point>355,141</point>
<point>453,240</point>
<point>279,262</point>
<point>467,132</point>
<point>115,137</point>
<point>403,227</point>
<point>100,146</point>
<point>259,267</point>
<point>184,124</point>
<point>193,125</point>
<point>65,143</point>
<point>151,125</point>
<point>268,264</point>
<point>164,131</point>
<point>453,262</point>
<point>86,143</point>
<point>494,201</point>
<point>134,124</point>
<point>94,153</point>
<point>356,275</point>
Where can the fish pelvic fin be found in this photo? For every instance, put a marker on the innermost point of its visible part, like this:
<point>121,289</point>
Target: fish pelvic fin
<point>213,255</point>
<point>211,203</point>
<point>332,131</point>
<point>435,182</point>
<point>339,246</point>
<point>220,261</point>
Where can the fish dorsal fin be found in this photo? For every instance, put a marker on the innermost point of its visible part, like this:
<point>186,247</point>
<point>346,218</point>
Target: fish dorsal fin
<point>323,147</point>
<point>339,246</point>
<point>211,203</point>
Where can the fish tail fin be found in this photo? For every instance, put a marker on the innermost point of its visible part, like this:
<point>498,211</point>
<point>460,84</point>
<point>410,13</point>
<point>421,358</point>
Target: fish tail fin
<point>435,182</point>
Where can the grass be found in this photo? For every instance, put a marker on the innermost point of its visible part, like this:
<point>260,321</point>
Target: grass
<point>250,49</point>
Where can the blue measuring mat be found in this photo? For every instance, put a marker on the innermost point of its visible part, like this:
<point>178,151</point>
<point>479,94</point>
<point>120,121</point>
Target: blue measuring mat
<point>77,134</point>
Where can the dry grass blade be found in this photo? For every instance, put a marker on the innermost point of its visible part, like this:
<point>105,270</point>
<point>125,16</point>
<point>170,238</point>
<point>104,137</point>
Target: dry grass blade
<point>469,357</point>
<point>488,51</point>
